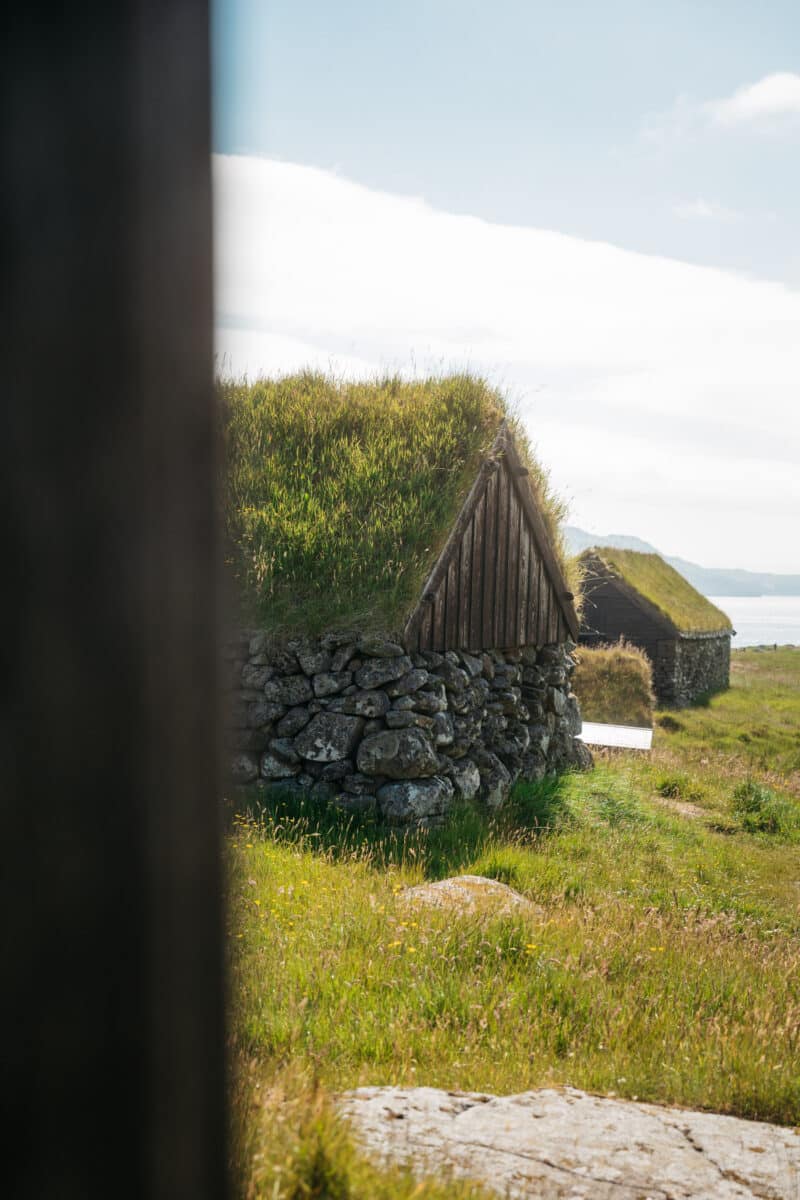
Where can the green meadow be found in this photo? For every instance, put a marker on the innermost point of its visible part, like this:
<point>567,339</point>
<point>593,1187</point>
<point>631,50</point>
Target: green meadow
<point>660,958</point>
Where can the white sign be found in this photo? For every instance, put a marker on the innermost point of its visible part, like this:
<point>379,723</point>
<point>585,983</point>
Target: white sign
<point>630,737</point>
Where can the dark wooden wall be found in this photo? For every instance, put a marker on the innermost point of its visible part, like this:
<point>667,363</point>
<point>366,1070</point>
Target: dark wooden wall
<point>609,614</point>
<point>495,588</point>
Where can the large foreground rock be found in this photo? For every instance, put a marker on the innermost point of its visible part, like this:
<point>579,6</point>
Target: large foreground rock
<point>559,1144</point>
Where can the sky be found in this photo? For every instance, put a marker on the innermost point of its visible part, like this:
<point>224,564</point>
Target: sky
<point>593,204</point>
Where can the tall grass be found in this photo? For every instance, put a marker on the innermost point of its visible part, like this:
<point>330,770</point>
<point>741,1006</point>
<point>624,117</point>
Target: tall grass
<point>614,684</point>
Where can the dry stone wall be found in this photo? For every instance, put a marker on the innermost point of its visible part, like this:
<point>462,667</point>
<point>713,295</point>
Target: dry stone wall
<point>359,723</point>
<point>690,666</point>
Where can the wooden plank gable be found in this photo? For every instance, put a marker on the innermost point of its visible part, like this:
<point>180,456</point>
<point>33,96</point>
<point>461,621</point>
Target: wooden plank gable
<point>497,583</point>
<point>614,609</point>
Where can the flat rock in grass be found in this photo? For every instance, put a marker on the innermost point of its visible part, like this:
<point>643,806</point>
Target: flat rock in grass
<point>328,737</point>
<point>562,1144</point>
<point>469,894</point>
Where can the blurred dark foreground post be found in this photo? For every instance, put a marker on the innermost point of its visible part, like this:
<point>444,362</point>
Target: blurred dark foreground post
<point>113,1072</point>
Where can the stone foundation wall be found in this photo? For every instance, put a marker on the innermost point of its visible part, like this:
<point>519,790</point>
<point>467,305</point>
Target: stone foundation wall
<point>359,723</point>
<point>691,666</point>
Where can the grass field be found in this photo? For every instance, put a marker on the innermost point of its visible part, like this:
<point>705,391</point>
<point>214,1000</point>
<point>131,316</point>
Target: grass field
<point>753,727</point>
<point>661,959</point>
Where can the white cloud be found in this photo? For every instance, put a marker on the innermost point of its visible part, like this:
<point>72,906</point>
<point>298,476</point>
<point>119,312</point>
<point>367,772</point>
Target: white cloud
<point>771,105</point>
<point>773,97</point>
<point>663,396</point>
<point>705,210</point>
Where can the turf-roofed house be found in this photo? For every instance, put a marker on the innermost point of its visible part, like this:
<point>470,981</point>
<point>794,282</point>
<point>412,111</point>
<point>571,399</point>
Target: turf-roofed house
<point>408,619</point>
<point>644,600</point>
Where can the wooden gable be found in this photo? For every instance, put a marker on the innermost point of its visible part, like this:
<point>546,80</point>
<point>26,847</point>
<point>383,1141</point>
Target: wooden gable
<point>497,583</point>
<point>614,609</point>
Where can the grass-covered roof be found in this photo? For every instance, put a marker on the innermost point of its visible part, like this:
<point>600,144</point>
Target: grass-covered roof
<point>340,496</point>
<point>663,586</point>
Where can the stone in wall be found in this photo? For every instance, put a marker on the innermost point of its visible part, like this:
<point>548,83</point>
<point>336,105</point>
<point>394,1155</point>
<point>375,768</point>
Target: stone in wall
<point>398,753</point>
<point>422,801</point>
<point>328,737</point>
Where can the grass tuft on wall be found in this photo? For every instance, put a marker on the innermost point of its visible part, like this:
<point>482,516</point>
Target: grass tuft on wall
<point>614,684</point>
<point>340,495</point>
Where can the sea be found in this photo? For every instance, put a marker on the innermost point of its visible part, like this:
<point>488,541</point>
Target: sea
<point>762,620</point>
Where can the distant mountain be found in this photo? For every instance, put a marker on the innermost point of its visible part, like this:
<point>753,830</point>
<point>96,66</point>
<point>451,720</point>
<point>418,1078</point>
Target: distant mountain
<point>710,581</point>
<point>579,540</point>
